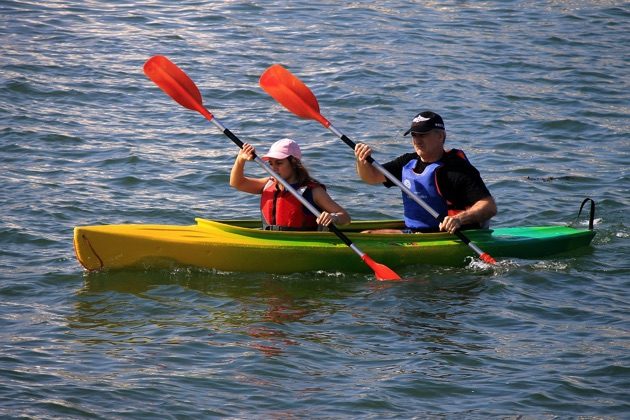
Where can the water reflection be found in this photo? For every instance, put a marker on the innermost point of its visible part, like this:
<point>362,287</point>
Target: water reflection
<point>220,309</point>
<point>233,312</point>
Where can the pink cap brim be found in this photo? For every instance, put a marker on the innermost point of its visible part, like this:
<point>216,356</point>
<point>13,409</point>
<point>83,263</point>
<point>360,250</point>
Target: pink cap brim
<point>275,155</point>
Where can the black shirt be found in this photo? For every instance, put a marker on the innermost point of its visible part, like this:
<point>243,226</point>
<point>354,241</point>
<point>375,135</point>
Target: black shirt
<point>458,181</point>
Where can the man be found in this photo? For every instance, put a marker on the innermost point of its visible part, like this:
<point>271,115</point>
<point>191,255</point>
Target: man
<point>445,180</point>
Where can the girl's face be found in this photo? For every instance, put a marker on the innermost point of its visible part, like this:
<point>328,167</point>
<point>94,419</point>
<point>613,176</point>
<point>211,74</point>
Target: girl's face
<point>283,168</point>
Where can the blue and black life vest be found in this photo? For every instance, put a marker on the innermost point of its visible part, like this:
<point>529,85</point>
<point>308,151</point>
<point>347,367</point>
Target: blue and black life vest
<point>425,186</point>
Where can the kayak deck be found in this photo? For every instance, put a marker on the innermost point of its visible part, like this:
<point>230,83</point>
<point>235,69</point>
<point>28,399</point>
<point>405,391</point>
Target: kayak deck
<point>238,245</point>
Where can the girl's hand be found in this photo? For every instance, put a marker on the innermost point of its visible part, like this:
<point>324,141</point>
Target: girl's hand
<point>247,152</point>
<point>326,218</point>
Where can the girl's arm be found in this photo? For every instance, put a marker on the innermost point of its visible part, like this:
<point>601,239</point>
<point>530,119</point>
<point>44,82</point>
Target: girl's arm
<point>238,179</point>
<point>331,211</point>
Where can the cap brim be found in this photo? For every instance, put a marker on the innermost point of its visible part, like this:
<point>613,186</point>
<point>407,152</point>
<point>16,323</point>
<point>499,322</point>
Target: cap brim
<point>411,130</point>
<point>275,156</point>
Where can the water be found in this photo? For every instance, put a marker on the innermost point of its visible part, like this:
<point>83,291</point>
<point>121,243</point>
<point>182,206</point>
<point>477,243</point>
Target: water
<point>536,94</point>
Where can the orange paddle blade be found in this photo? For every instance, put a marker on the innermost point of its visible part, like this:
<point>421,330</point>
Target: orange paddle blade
<point>289,91</point>
<point>172,80</point>
<point>382,272</point>
<point>485,257</point>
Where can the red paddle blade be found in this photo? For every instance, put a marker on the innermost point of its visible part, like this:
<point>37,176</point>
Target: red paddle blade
<point>172,80</point>
<point>381,271</point>
<point>289,91</point>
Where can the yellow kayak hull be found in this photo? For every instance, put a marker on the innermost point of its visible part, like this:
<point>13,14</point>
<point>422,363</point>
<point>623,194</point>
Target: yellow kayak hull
<point>239,246</point>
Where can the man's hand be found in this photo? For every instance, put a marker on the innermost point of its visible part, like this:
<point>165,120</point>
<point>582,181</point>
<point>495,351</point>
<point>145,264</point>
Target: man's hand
<point>450,224</point>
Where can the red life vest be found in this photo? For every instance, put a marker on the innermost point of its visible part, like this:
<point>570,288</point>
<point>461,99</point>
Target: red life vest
<point>282,211</point>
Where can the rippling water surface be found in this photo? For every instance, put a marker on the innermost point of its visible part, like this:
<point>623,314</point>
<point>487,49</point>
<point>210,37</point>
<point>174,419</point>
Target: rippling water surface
<point>536,94</point>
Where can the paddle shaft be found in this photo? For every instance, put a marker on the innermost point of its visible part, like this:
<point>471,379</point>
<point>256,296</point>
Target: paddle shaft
<point>286,185</point>
<point>294,95</point>
<point>175,83</point>
<point>484,256</point>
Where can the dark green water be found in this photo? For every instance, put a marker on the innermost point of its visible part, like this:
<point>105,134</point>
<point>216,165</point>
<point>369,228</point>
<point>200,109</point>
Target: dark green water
<point>537,96</point>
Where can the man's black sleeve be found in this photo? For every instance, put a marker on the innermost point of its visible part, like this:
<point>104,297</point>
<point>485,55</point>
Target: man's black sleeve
<point>462,186</point>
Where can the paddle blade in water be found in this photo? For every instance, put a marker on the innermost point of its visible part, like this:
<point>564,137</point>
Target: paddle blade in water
<point>289,91</point>
<point>485,257</point>
<point>172,80</point>
<point>381,271</point>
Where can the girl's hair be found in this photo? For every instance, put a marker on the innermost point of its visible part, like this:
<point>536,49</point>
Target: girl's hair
<point>301,174</point>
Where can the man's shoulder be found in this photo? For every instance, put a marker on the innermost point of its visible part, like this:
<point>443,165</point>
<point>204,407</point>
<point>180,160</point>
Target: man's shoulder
<point>455,155</point>
<point>406,158</point>
<point>456,158</point>
<point>395,166</point>
<point>400,161</point>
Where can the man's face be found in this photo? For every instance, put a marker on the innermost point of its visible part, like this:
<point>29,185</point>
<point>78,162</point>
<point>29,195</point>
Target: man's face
<point>428,145</point>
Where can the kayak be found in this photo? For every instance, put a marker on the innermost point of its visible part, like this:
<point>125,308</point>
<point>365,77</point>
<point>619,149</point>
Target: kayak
<point>241,246</point>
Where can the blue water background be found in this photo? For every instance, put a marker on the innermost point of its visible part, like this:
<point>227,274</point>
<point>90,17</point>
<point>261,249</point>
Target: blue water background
<point>536,93</point>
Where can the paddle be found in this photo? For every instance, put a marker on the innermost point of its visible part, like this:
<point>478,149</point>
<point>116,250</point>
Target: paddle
<point>172,80</point>
<point>294,95</point>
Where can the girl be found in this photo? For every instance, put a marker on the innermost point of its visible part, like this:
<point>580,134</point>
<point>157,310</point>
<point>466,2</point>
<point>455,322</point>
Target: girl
<point>280,209</point>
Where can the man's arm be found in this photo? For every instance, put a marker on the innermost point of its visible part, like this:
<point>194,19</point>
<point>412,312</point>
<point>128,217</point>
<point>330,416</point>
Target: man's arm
<point>478,213</point>
<point>365,170</point>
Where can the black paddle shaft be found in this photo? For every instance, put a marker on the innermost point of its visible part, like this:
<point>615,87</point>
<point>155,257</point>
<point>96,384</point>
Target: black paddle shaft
<point>352,145</point>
